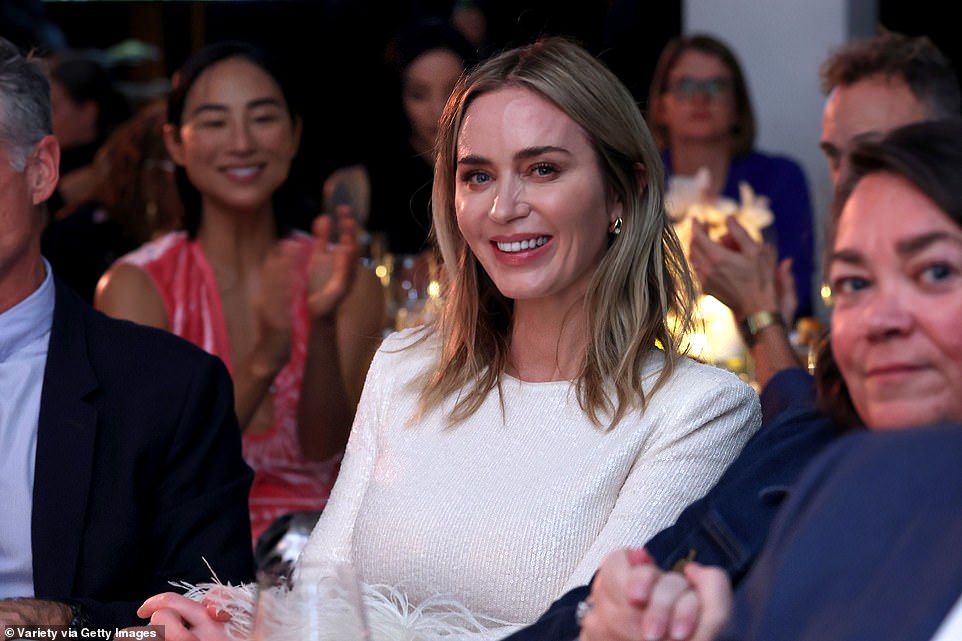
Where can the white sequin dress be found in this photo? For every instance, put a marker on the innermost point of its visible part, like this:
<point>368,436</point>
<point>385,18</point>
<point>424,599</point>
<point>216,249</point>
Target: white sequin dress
<point>504,513</point>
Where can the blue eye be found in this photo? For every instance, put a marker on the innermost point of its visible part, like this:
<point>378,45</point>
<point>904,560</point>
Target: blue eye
<point>543,169</point>
<point>476,177</point>
<point>937,272</point>
<point>849,285</point>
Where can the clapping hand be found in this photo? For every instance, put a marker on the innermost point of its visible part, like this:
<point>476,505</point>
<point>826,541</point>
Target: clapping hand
<point>331,266</point>
<point>741,272</point>
<point>273,304</point>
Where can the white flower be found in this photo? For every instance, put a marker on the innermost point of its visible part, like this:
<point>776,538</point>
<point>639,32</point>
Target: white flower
<point>686,202</point>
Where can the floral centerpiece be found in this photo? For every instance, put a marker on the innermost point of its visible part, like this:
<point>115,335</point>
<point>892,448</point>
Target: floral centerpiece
<point>716,338</point>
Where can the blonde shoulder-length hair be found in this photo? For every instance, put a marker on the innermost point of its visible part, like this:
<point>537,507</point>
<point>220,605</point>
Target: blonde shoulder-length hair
<point>642,280</point>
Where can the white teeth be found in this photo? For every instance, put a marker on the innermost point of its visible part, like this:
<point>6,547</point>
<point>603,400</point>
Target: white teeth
<point>522,245</point>
<point>242,172</point>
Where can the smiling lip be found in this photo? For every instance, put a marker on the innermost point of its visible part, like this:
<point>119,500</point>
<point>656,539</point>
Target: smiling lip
<point>895,370</point>
<point>517,250</point>
<point>522,245</point>
<point>243,173</point>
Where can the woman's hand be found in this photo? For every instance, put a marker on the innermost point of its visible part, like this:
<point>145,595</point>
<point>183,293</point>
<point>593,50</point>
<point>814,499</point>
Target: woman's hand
<point>184,619</point>
<point>633,599</point>
<point>274,302</point>
<point>735,269</point>
<point>331,266</point>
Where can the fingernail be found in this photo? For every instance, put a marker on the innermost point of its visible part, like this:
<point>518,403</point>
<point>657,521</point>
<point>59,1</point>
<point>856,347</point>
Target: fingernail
<point>680,630</point>
<point>654,630</point>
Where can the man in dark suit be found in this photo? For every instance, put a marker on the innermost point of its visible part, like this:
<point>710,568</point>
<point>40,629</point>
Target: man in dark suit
<point>120,456</point>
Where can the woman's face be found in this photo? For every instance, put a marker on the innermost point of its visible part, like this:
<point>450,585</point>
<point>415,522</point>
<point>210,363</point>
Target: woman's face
<point>428,81</point>
<point>236,140</point>
<point>530,196</point>
<point>896,277</point>
<point>700,101</point>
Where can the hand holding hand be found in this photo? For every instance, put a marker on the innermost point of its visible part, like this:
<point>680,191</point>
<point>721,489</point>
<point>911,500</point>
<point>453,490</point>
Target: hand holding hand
<point>184,619</point>
<point>331,267</point>
<point>634,599</point>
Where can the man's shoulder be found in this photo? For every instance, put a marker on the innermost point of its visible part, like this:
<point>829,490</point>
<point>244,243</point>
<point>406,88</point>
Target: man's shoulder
<point>125,342</point>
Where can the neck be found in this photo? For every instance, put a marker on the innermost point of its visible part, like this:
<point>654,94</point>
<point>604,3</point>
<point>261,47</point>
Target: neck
<point>235,242</point>
<point>548,342</point>
<point>20,280</point>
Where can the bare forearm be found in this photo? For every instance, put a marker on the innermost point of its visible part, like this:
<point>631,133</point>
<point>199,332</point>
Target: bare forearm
<point>772,353</point>
<point>252,384</point>
<point>325,410</point>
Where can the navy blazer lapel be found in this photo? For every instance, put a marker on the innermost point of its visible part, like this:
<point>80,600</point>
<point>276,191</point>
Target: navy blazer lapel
<point>66,437</point>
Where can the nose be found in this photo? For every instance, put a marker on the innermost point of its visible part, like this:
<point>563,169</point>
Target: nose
<point>509,201</point>
<point>241,138</point>
<point>889,314</point>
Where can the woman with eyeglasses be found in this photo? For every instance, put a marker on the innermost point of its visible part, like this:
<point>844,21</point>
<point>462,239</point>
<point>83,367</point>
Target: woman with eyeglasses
<point>701,116</point>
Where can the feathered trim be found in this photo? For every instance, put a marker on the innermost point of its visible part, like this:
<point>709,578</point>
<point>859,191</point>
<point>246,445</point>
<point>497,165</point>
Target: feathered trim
<point>329,608</point>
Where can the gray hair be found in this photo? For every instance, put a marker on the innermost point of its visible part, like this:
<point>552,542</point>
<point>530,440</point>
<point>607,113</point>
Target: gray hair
<point>25,114</point>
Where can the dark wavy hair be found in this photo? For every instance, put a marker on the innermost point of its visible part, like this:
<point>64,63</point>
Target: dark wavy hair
<point>290,200</point>
<point>410,42</point>
<point>917,61</point>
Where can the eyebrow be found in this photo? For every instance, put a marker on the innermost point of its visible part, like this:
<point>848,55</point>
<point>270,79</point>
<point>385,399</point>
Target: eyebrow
<point>220,108</point>
<point>903,248</point>
<point>528,152</point>
<point>918,243</point>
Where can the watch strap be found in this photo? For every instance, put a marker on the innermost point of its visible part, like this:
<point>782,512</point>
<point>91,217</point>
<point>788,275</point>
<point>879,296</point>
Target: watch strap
<point>756,322</point>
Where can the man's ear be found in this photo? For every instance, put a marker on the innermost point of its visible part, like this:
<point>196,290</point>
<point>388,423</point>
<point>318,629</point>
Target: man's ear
<point>43,169</point>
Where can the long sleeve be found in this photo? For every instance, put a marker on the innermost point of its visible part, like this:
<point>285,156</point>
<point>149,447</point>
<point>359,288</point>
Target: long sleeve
<point>700,433</point>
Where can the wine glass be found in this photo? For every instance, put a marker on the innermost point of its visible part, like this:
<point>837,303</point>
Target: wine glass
<point>315,604</point>
<point>415,288</point>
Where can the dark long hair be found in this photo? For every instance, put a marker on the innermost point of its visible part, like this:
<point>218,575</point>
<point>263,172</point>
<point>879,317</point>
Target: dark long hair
<point>290,200</point>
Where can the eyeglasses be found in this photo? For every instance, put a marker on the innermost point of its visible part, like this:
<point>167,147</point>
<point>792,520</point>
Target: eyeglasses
<point>686,87</point>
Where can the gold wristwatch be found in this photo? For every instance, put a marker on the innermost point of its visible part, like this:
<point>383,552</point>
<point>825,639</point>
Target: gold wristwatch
<point>757,322</point>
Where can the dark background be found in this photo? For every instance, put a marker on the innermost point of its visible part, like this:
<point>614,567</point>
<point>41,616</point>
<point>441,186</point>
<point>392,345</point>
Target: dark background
<point>336,45</point>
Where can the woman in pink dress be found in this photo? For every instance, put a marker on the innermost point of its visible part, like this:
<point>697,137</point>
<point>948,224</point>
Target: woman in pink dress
<point>285,310</point>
